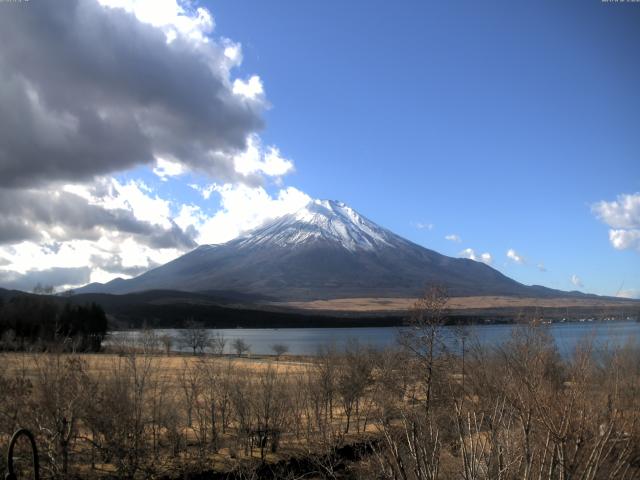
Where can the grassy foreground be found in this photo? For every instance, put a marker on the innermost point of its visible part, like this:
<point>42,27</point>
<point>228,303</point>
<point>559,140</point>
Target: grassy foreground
<point>511,412</point>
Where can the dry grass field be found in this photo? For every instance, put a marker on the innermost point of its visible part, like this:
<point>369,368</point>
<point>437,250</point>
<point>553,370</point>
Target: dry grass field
<point>419,413</point>
<point>172,367</point>
<point>148,414</point>
<point>456,303</point>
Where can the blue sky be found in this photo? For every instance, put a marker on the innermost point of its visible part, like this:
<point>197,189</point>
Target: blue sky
<point>502,123</point>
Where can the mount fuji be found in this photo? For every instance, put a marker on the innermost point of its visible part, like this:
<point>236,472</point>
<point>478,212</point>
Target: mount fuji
<point>326,250</point>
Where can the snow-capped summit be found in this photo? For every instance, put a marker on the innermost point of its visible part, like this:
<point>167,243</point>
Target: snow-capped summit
<point>321,220</point>
<point>324,250</point>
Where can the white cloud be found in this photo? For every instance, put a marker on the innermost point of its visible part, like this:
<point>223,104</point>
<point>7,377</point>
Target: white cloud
<point>170,16</point>
<point>256,159</point>
<point>233,51</point>
<point>65,277</point>
<point>180,103</point>
<point>471,254</point>
<point>59,214</point>
<point>134,196</point>
<point>166,168</point>
<point>135,254</point>
<point>424,226</point>
<point>630,293</point>
<point>205,191</point>
<point>244,208</point>
<point>623,216</point>
<point>189,216</point>
<point>27,258</point>
<point>101,276</point>
<point>625,239</point>
<point>181,111</point>
<point>513,255</point>
<point>621,213</point>
<point>486,258</point>
<point>251,89</point>
<point>541,267</point>
<point>99,223</point>
<point>576,281</point>
<point>468,253</point>
<point>453,238</point>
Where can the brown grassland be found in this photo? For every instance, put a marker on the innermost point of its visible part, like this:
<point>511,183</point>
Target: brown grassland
<point>516,411</point>
<point>458,303</point>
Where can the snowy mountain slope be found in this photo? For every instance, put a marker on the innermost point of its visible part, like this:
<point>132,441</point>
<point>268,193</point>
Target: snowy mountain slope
<point>322,220</point>
<point>325,250</point>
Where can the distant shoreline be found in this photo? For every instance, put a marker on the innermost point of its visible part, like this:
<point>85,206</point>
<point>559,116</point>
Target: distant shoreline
<point>384,322</point>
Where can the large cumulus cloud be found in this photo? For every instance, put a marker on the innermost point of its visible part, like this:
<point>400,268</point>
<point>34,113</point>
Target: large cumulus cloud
<point>87,90</point>
<point>90,89</point>
<point>39,215</point>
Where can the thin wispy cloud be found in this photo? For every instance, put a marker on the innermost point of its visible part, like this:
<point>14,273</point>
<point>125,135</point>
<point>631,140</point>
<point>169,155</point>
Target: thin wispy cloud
<point>576,281</point>
<point>629,293</point>
<point>453,238</point>
<point>424,226</point>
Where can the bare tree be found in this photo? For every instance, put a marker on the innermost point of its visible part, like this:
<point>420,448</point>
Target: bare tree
<point>279,349</point>
<point>412,430</point>
<point>195,337</point>
<point>121,436</point>
<point>239,387</point>
<point>520,411</point>
<point>240,346</point>
<point>149,341</point>
<point>217,343</point>
<point>167,342</point>
<point>59,385</point>
<point>122,343</point>
<point>190,385</point>
<point>324,379</point>
<point>270,409</point>
<point>354,376</point>
<point>214,393</point>
<point>422,336</point>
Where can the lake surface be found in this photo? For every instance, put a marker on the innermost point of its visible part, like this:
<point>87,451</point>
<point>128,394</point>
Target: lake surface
<point>307,341</point>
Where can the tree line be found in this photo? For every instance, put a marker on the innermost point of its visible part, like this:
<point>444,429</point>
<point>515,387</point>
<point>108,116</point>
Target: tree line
<point>37,322</point>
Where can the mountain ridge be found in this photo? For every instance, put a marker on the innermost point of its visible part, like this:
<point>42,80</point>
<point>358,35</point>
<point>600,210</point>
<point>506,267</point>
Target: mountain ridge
<point>324,250</point>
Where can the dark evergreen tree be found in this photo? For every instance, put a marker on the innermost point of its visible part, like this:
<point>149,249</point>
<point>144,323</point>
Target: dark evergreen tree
<point>35,321</point>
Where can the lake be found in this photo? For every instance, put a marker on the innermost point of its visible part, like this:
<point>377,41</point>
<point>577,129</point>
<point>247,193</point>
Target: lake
<point>307,341</point>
